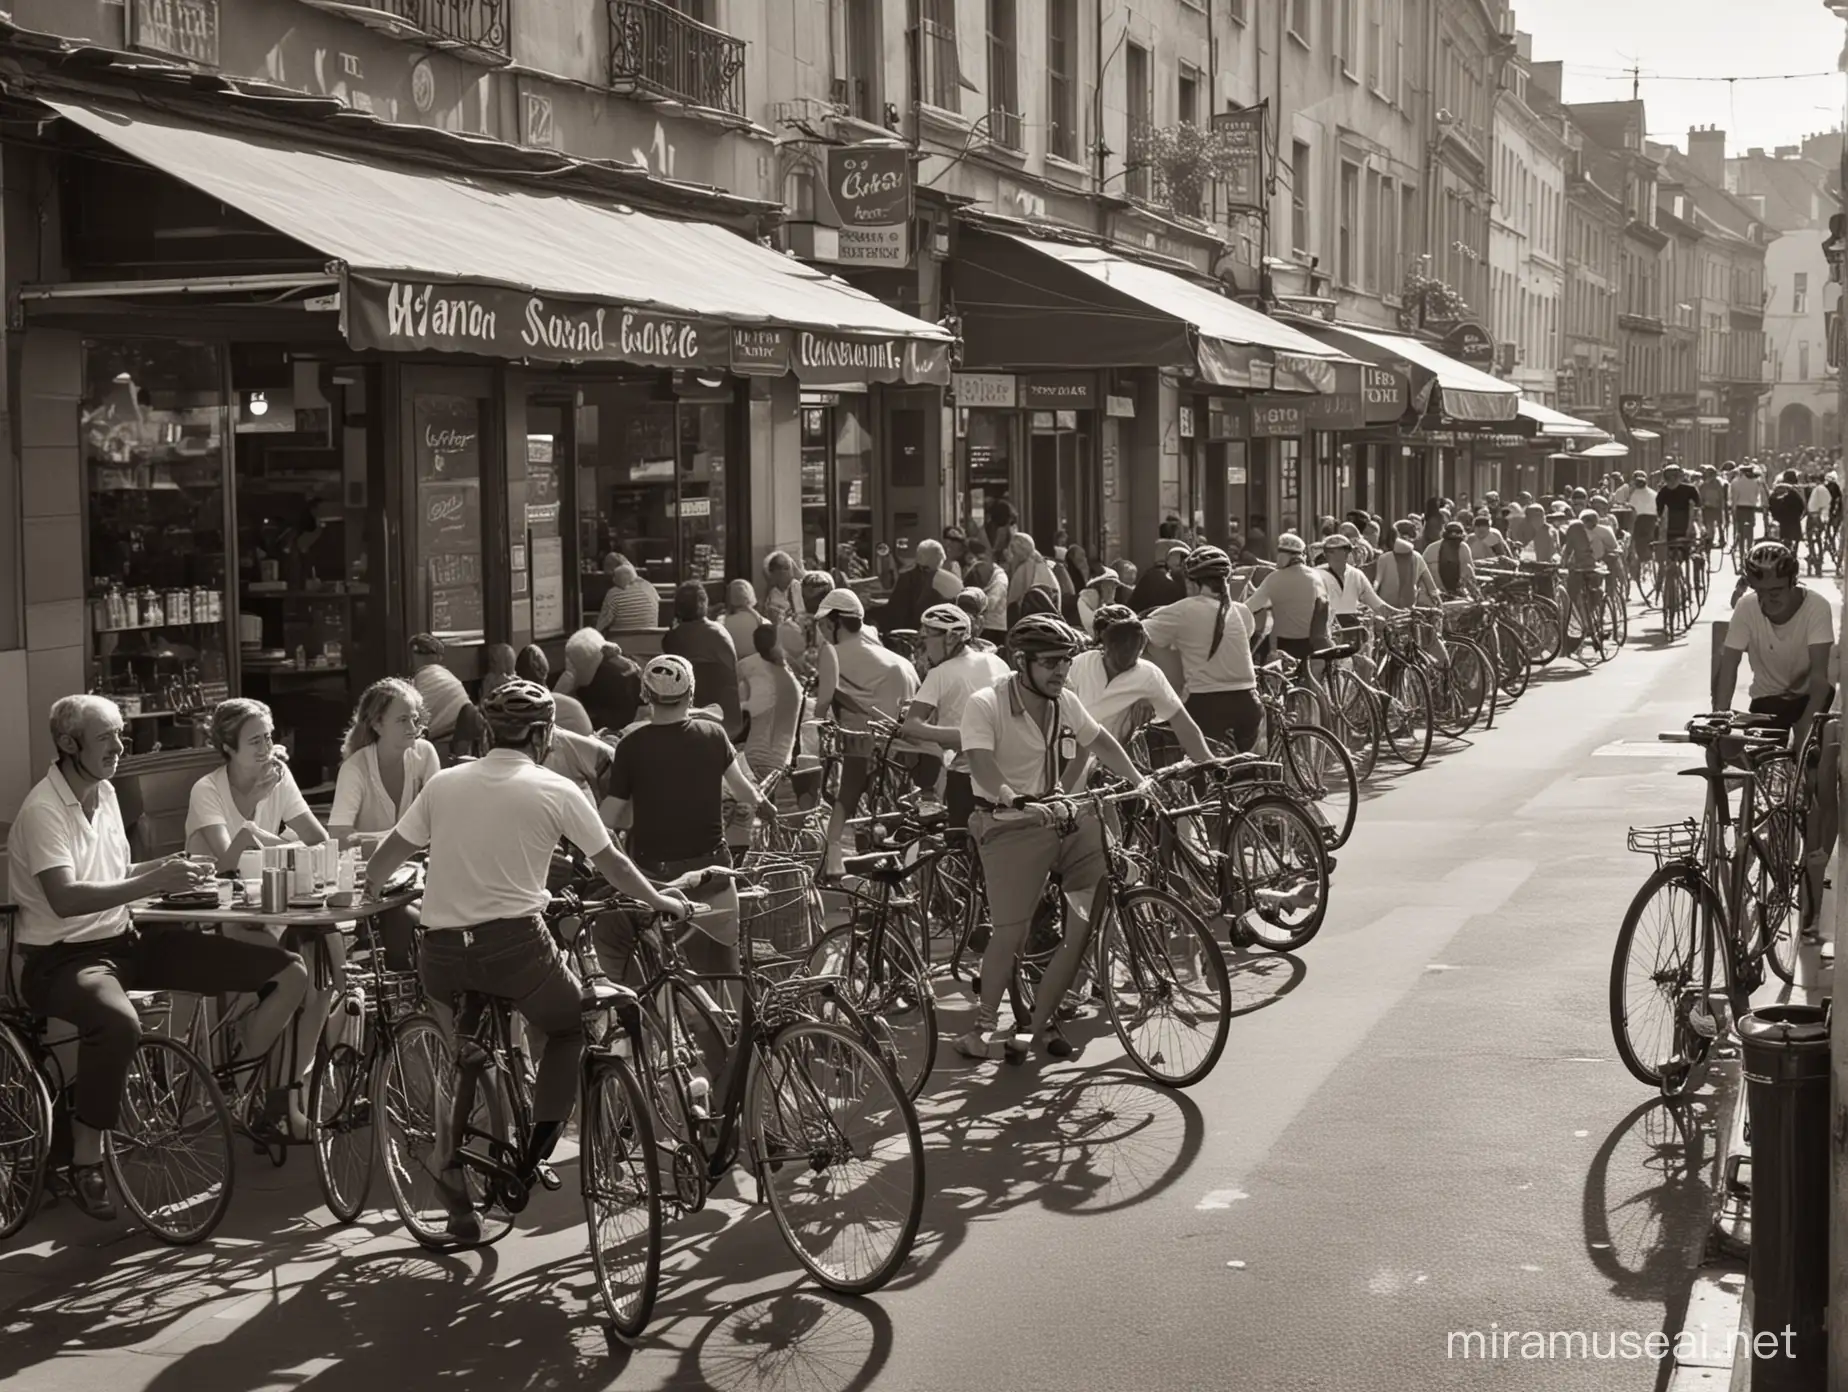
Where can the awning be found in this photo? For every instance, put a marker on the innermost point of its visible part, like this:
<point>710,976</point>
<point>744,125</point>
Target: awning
<point>440,262</point>
<point>1463,393</point>
<point>1640,434</point>
<point>1610,449</point>
<point>1556,424</point>
<point>1031,303</point>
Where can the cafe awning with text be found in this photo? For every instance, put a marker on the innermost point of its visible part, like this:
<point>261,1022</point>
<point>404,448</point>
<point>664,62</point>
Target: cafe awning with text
<point>440,262</point>
<point>1461,392</point>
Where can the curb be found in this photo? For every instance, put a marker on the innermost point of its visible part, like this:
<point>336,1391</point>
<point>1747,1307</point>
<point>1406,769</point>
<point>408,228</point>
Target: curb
<point>1719,1304</point>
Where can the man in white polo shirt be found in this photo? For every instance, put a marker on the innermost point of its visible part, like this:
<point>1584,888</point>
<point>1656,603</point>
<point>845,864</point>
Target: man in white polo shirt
<point>71,876</point>
<point>491,826</point>
<point>1123,690</point>
<point>1019,736</point>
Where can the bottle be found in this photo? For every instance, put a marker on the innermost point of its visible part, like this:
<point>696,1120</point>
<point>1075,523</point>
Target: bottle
<point>131,609</point>
<point>301,655</point>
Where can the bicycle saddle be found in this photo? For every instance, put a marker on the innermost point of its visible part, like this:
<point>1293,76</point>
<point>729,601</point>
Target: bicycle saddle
<point>1336,653</point>
<point>600,993</point>
<point>883,866</point>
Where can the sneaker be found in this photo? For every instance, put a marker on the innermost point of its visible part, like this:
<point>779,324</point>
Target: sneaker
<point>90,1192</point>
<point>978,1042</point>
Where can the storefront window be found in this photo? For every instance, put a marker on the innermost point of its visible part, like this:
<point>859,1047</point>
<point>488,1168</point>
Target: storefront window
<point>837,487</point>
<point>988,450</point>
<point>154,427</point>
<point>1289,486</point>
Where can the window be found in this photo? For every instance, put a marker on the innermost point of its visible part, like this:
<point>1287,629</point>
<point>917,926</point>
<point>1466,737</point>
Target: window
<point>1238,11</point>
<point>1061,78</point>
<point>1187,104</point>
<point>1376,45</point>
<point>856,85</point>
<point>1003,76</point>
<point>1799,296</point>
<point>1348,36</point>
<point>1347,259</point>
<point>941,72</point>
<point>837,472</point>
<point>1138,98</point>
<point>1299,21</point>
<point>1803,360</point>
<point>1299,197</point>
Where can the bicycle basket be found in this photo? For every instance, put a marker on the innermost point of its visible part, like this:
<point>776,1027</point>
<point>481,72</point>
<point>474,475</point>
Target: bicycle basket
<point>779,917</point>
<point>398,993</point>
<point>1675,841</point>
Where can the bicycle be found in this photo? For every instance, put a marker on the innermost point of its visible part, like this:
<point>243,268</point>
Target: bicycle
<point>1164,981</point>
<point>170,1156</point>
<point>1357,712</point>
<point>1592,617</point>
<point>1462,683</point>
<point>1319,770</point>
<point>1700,898</point>
<point>1405,685</point>
<point>1683,587</point>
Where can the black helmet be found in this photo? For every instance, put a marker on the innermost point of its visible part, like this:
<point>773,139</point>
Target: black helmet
<point>1044,635</point>
<point>1114,616</point>
<point>1771,560</point>
<point>1207,563</point>
<point>517,708</point>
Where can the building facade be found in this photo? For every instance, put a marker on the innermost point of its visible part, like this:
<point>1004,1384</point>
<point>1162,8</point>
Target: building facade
<point>1526,256</point>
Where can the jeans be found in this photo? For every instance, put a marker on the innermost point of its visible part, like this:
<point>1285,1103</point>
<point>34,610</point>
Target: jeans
<point>515,959</point>
<point>87,983</point>
<point>1231,717</point>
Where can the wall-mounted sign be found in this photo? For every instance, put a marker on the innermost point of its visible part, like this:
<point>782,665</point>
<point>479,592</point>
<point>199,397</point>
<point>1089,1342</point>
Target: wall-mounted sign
<point>183,29</point>
<point>871,187</point>
<point>1122,407</point>
<point>1384,395</point>
<point>1074,390</point>
<point>1241,176</point>
<point>1470,343</point>
<point>995,390</point>
<point>1334,411</point>
<point>1272,417</point>
<point>760,352</point>
<point>1187,422</point>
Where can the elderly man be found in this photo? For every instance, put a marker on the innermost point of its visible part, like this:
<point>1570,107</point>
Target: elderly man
<point>71,875</point>
<point>1103,590</point>
<point>924,584</point>
<point>779,586</point>
<point>631,602</point>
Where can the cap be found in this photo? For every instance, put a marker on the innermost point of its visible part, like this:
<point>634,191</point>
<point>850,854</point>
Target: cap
<point>427,644</point>
<point>1179,546</point>
<point>1106,573</point>
<point>1289,541</point>
<point>1335,541</point>
<point>842,602</point>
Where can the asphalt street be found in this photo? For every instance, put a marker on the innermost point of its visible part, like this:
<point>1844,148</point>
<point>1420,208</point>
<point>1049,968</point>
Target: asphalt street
<point>1419,1130</point>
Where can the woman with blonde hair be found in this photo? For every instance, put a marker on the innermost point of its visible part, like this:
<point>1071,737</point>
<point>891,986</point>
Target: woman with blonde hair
<point>385,762</point>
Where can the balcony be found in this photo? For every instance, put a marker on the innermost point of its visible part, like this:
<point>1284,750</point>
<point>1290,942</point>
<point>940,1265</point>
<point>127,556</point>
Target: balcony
<point>658,52</point>
<point>477,30</point>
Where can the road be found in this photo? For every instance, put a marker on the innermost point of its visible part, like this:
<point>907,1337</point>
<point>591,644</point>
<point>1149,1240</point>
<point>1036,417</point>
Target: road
<point>1419,1129</point>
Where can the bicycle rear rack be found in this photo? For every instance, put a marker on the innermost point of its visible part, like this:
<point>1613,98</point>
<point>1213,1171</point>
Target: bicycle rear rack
<point>1675,841</point>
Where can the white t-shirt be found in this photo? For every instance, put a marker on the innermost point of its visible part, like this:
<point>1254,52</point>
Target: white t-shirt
<point>443,696</point>
<point>1640,499</point>
<point>1187,626</point>
<point>1779,653</point>
<point>491,826</point>
<point>1353,589</point>
<point>1820,499</point>
<point>871,677</point>
<point>1031,756</point>
<point>949,685</point>
<point>1109,699</point>
<point>1290,592</point>
<point>211,805</point>
<point>360,799</point>
<point>1748,492</point>
<point>51,831</point>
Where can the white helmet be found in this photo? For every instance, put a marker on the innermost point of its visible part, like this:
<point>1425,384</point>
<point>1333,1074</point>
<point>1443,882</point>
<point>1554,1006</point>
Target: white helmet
<point>945,619</point>
<point>841,602</point>
<point>667,679</point>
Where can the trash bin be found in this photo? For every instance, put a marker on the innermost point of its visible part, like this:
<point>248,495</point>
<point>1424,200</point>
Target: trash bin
<point>1787,1098</point>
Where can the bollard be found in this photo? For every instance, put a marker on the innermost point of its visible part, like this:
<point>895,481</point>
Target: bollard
<point>1787,1079</point>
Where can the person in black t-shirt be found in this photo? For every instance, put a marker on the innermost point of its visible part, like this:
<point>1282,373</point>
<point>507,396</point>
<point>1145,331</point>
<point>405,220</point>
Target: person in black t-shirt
<point>668,780</point>
<point>1677,504</point>
<point>1786,507</point>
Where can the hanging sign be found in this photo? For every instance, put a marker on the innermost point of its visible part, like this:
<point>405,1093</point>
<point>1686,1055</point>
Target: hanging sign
<point>1273,417</point>
<point>1241,134</point>
<point>1470,343</point>
<point>990,389</point>
<point>760,352</point>
<point>183,29</point>
<point>871,188</point>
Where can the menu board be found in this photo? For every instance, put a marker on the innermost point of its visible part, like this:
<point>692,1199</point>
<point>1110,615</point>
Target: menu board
<point>457,611</point>
<point>548,586</point>
<point>447,448</point>
<point>541,483</point>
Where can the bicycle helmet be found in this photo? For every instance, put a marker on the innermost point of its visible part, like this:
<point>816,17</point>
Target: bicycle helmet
<point>667,679</point>
<point>1207,563</point>
<point>946,619</point>
<point>517,708</point>
<point>1110,617</point>
<point>844,602</point>
<point>973,602</point>
<point>1771,560</point>
<point>1044,635</point>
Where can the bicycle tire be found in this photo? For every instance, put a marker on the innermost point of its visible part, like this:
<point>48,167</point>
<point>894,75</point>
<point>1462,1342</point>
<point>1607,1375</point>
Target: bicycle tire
<point>1407,721</point>
<point>1357,720</point>
<point>1136,958</point>
<point>340,1113</point>
<point>793,1168</point>
<point>1687,1048</point>
<point>1774,879</point>
<point>1616,624</point>
<point>1540,620</point>
<point>894,996</point>
<point>1462,688</point>
<point>167,1095</point>
<point>1514,664</point>
<point>1317,769</point>
<point>1271,852</point>
<point>617,1178</point>
<point>25,1130</point>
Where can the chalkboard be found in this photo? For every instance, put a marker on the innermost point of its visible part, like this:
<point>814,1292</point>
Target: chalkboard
<point>457,610</point>
<point>448,437</point>
<point>449,517</point>
<point>455,568</point>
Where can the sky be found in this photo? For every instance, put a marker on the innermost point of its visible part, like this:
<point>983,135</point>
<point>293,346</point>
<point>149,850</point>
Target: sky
<point>1699,38</point>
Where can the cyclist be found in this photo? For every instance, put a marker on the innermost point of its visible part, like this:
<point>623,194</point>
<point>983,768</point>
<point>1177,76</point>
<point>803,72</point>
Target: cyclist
<point>1212,633</point>
<point>1486,542</point>
<point>73,881</point>
<point>958,669</point>
<point>1786,507</point>
<point>858,681</point>
<point>1713,503</point>
<point>1787,632</point>
<point>1020,737</point>
<point>1349,589</point>
<point>1677,503</point>
<point>1124,690</point>
<point>1401,575</point>
<point>1816,522</point>
<point>1449,560</point>
<point>491,827</point>
<point>1640,500</point>
<point>1748,495</point>
<point>1292,599</point>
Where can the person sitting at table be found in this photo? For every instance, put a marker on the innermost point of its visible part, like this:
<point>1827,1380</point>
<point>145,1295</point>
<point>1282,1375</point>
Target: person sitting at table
<point>248,803</point>
<point>455,723</point>
<point>604,683</point>
<point>534,666</point>
<point>73,881</point>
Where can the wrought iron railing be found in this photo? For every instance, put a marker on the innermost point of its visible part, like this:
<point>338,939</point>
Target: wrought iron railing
<point>939,69</point>
<point>482,25</point>
<point>657,50</point>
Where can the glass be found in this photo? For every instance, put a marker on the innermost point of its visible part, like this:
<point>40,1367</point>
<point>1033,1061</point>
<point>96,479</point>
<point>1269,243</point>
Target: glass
<point>988,452</point>
<point>154,422</point>
<point>854,540</point>
<point>701,504</point>
<point>817,524</point>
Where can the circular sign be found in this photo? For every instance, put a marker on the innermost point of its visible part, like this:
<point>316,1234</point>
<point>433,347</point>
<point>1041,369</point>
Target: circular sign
<point>423,85</point>
<point>1469,343</point>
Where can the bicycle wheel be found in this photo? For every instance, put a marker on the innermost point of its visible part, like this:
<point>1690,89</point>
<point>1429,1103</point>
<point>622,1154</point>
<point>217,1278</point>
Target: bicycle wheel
<point>1166,988</point>
<point>1408,723</point>
<point>1774,888</point>
<point>1513,663</point>
<point>170,1153</point>
<point>1356,720</point>
<point>622,1200</point>
<point>1305,706</point>
<point>1698,573</point>
<point>836,1149</point>
<point>1648,578</point>
<point>1275,869</point>
<point>1616,623</point>
<point>415,1079</point>
<point>25,1131</point>
<point>1462,688</point>
<point>893,994</point>
<point>340,1112</point>
<point>1656,977</point>
<point>1540,623</point>
<point>1319,774</point>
